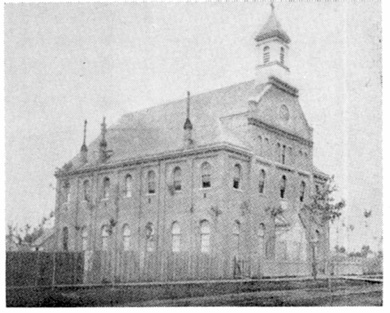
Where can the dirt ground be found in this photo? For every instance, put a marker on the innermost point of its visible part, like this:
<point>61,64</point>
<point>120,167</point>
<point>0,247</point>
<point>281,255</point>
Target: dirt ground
<point>352,296</point>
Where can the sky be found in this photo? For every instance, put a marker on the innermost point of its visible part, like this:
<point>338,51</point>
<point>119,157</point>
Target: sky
<point>68,62</point>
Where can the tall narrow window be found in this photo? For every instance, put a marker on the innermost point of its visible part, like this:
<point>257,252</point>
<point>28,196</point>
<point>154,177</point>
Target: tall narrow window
<point>126,237</point>
<point>149,230</point>
<point>105,235</point>
<point>236,236</point>
<point>206,175</point>
<point>151,182</point>
<point>65,238</point>
<point>284,154</point>
<point>86,190</point>
<point>205,236</point>
<point>84,238</point>
<point>260,144</point>
<point>106,188</point>
<point>261,235</point>
<point>177,178</point>
<point>175,237</point>
<point>278,152</point>
<point>283,183</point>
<point>128,185</point>
<point>237,176</point>
<point>266,55</point>
<point>302,191</point>
<point>282,55</point>
<point>262,181</point>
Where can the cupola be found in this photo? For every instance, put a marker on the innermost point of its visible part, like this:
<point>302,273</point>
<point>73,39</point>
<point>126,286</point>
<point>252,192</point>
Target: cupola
<point>272,45</point>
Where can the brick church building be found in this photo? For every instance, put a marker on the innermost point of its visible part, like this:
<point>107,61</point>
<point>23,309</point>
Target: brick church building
<point>206,187</point>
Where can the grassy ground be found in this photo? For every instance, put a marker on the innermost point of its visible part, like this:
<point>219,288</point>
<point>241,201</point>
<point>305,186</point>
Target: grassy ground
<point>233,293</point>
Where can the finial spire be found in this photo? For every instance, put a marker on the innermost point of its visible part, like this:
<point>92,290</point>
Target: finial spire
<point>103,141</point>
<point>84,146</point>
<point>84,149</point>
<point>272,5</point>
<point>188,124</point>
<point>188,104</point>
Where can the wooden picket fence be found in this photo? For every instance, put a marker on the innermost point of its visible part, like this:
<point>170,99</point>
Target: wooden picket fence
<point>106,267</point>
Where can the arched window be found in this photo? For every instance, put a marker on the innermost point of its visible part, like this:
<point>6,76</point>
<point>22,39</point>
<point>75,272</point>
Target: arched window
<point>175,237</point>
<point>149,232</point>
<point>278,151</point>
<point>151,182</point>
<point>206,175</point>
<point>128,185</point>
<point>126,237</point>
<point>86,190</point>
<point>84,238</point>
<point>302,191</point>
<point>236,236</point>
<point>282,55</point>
<point>266,55</point>
<point>261,234</point>
<point>205,236</point>
<point>65,238</point>
<point>106,188</point>
<point>105,234</point>
<point>262,181</point>
<point>177,178</point>
<point>237,176</point>
<point>283,154</point>
<point>283,184</point>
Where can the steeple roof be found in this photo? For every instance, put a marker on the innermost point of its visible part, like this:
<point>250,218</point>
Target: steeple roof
<point>272,29</point>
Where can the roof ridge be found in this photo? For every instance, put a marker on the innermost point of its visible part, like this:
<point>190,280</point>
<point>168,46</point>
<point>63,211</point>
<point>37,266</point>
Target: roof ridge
<point>192,96</point>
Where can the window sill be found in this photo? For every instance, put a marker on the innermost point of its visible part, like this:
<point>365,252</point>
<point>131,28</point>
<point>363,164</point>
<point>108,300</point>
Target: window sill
<point>240,190</point>
<point>150,194</point>
<point>104,200</point>
<point>205,189</point>
<point>127,197</point>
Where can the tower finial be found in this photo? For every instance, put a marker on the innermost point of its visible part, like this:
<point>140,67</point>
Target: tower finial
<point>272,5</point>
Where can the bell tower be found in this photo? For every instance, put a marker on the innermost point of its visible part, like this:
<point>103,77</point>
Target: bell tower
<point>272,45</point>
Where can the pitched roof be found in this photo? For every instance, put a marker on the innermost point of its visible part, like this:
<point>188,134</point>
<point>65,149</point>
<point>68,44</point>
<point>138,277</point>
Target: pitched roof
<point>159,129</point>
<point>272,28</point>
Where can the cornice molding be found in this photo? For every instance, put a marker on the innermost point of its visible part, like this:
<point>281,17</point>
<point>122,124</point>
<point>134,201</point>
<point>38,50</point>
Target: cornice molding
<point>246,154</point>
<point>256,122</point>
<point>284,168</point>
<point>273,63</point>
<point>278,83</point>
